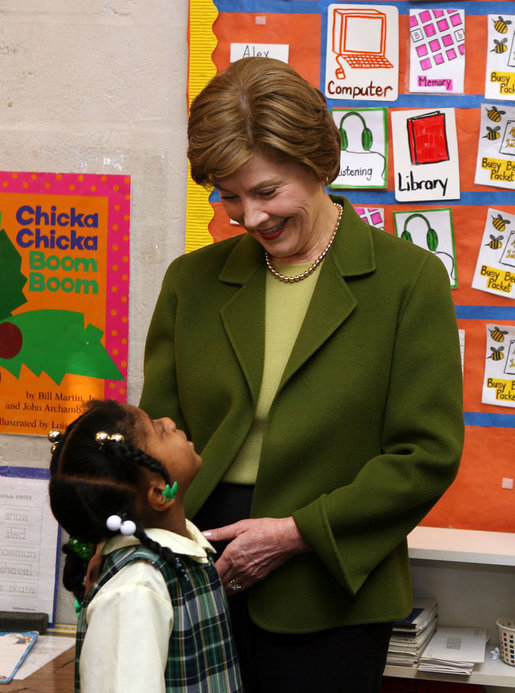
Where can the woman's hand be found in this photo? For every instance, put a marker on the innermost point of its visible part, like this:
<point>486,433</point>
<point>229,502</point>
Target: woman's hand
<point>257,547</point>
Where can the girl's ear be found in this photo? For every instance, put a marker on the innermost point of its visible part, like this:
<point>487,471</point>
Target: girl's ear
<point>157,498</point>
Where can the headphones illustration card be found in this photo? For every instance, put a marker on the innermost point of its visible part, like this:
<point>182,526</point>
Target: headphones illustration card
<point>432,230</point>
<point>425,154</point>
<point>363,156</point>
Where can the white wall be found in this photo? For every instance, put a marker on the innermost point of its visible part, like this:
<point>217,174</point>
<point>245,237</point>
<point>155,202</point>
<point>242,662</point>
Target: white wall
<point>99,86</point>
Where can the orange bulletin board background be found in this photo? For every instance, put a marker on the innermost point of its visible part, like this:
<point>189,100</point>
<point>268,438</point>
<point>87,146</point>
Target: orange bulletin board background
<point>480,498</point>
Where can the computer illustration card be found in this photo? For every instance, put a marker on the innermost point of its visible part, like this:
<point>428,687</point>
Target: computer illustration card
<point>362,52</point>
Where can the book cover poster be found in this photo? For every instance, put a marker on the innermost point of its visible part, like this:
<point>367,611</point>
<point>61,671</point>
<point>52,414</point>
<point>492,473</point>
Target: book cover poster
<point>495,266</point>
<point>499,374</point>
<point>432,230</point>
<point>495,163</point>
<point>425,153</point>
<point>362,52</point>
<point>437,51</point>
<point>64,292</point>
<point>363,155</point>
<point>500,58</point>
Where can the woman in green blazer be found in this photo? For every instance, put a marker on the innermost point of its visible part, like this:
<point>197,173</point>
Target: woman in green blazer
<point>314,361</point>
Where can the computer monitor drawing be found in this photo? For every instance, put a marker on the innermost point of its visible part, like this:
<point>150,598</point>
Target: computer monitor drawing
<point>359,39</point>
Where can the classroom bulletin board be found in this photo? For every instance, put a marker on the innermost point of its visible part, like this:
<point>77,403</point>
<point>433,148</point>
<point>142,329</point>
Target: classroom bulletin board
<point>426,112</point>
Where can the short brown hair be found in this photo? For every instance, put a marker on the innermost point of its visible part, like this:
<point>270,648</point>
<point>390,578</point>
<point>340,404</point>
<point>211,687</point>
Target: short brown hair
<point>259,105</point>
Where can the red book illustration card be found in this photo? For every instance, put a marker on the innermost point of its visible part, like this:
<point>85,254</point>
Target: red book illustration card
<point>425,152</point>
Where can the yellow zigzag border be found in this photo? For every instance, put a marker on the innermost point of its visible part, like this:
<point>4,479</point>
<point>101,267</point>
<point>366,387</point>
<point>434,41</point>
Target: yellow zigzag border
<point>202,43</point>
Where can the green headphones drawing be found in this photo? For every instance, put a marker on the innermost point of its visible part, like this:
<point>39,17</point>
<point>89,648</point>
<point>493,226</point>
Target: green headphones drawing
<point>431,235</point>
<point>431,239</point>
<point>366,136</point>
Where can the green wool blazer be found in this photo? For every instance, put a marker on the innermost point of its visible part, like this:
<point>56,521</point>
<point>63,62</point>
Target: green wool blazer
<point>365,432</point>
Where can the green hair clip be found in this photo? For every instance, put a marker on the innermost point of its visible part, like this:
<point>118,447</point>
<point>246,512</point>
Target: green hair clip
<point>170,491</point>
<point>82,549</point>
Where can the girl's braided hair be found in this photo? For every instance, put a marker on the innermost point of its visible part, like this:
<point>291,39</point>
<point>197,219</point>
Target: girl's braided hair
<point>91,481</point>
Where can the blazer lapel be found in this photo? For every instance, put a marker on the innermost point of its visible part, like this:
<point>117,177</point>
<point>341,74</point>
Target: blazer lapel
<point>330,306</point>
<point>352,254</point>
<point>243,315</point>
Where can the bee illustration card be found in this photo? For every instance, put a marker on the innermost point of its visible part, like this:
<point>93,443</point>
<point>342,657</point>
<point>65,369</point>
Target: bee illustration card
<point>495,267</point>
<point>430,229</point>
<point>496,150</point>
<point>362,53</point>
<point>499,379</point>
<point>363,151</point>
<point>437,50</point>
<point>425,153</point>
<point>500,61</point>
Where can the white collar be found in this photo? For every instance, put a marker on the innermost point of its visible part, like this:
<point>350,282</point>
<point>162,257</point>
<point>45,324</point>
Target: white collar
<point>196,545</point>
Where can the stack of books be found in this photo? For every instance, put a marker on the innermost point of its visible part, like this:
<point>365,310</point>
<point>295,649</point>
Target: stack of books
<point>454,651</point>
<point>411,635</point>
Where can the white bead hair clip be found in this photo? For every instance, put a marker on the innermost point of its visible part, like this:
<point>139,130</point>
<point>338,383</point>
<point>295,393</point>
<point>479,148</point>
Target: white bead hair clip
<point>116,524</point>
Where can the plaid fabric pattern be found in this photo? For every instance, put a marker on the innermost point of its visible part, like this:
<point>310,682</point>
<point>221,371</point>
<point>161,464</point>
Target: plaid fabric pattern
<point>201,655</point>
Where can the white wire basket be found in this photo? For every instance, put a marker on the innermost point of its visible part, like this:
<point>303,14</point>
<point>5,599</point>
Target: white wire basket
<point>506,626</point>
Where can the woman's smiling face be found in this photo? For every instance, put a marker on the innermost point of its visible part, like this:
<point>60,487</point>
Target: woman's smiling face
<point>283,205</point>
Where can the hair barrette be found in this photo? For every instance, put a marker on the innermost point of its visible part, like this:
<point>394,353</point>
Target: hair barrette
<point>117,524</point>
<point>82,549</point>
<point>102,438</point>
<point>55,437</point>
<point>170,492</point>
<point>78,607</point>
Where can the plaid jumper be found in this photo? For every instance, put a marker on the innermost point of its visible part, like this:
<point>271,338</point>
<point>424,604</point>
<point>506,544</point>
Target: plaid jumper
<point>201,655</point>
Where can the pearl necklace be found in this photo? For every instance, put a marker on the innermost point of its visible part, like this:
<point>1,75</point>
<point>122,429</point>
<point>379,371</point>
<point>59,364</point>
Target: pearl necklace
<point>311,268</point>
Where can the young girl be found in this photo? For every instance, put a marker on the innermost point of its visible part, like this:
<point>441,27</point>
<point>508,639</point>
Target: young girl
<point>155,619</point>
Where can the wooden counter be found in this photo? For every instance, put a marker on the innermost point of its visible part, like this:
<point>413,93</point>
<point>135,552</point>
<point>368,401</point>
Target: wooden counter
<point>55,677</point>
